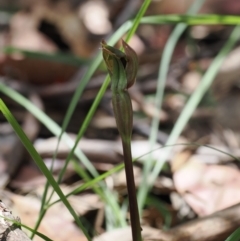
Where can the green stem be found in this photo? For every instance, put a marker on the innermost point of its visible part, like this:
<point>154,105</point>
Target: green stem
<point>122,68</point>
<point>122,108</point>
<point>133,205</point>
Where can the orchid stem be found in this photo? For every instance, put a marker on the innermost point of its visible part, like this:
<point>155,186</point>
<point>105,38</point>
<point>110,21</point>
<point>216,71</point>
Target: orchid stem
<point>122,68</point>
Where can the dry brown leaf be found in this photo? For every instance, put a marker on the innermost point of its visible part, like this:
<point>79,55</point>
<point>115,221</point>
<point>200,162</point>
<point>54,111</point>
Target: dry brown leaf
<point>208,188</point>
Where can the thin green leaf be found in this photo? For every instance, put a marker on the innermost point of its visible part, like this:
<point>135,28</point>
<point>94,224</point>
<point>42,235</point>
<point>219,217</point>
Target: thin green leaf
<point>196,97</point>
<point>54,57</point>
<point>204,19</point>
<point>119,167</point>
<point>162,76</point>
<point>41,165</point>
<point>137,19</point>
<point>235,236</point>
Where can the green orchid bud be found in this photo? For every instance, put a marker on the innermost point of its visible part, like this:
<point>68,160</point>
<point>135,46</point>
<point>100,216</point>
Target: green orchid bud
<point>129,61</point>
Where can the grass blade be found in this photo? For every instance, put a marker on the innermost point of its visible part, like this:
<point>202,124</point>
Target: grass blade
<point>41,165</point>
<point>54,57</point>
<point>235,236</point>
<point>196,97</point>
<point>162,76</point>
<point>206,19</point>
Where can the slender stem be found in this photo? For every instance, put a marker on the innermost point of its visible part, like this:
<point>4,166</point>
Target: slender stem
<point>122,107</point>
<point>122,68</point>
<point>133,205</point>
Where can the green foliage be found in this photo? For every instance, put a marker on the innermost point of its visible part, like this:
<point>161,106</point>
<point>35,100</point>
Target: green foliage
<point>235,236</point>
<point>38,160</point>
<point>53,57</point>
<point>162,76</point>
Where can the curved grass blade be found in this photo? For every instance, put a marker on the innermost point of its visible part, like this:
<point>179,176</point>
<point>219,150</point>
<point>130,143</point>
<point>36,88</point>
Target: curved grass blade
<point>58,57</point>
<point>56,130</point>
<point>235,236</point>
<point>162,76</point>
<point>39,162</point>
<point>119,167</point>
<point>196,97</point>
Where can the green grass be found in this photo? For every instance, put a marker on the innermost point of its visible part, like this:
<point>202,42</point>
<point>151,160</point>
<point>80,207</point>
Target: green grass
<point>94,180</point>
<point>41,165</point>
<point>234,236</point>
<point>59,57</point>
<point>162,76</point>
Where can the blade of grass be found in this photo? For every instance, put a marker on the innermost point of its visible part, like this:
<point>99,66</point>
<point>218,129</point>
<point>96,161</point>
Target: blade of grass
<point>42,117</point>
<point>52,126</point>
<point>94,64</point>
<point>235,236</point>
<point>162,76</point>
<point>121,166</point>
<point>200,19</point>
<point>41,165</point>
<point>55,129</point>
<point>137,20</point>
<point>196,97</point>
<point>49,123</point>
<point>54,57</point>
